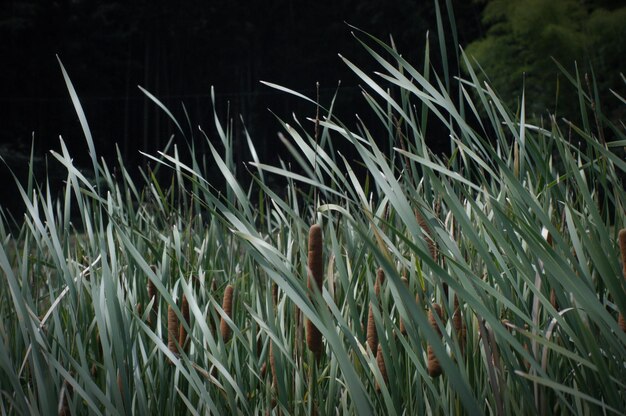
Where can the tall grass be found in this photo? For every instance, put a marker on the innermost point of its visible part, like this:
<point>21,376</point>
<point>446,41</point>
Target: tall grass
<point>73,340</point>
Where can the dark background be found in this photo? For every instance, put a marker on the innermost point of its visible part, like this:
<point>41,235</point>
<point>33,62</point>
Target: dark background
<point>177,50</point>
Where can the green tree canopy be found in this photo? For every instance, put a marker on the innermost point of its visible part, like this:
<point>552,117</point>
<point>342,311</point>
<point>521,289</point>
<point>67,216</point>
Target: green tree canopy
<point>523,36</point>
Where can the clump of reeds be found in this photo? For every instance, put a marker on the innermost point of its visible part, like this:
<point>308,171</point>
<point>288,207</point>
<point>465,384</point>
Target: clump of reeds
<point>314,280</point>
<point>434,367</point>
<point>182,332</point>
<point>172,330</point>
<point>227,306</point>
<point>380,360</point>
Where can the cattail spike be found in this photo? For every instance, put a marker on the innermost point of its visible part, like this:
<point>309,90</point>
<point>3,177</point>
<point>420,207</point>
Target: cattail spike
<point>372,335</point>
<point>274,294</point>
<point>621,322</point>
<point>380,360</point>
<point>553,300</point>
<point>314,280</point>
<point>172,330</point>
<point>428,235</point>
<point>227,305</point>
<point>434,367</point>
<point>273,366</point>
<point>380,279</point>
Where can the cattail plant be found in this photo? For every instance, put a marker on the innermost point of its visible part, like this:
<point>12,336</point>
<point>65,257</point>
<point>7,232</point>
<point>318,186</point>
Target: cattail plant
<point>315,280</point>
<point>273,366</point>
<point>430,242</point>
<point>172,330</point>
<point>182,332</point>
<point>227,306</point>
<point>434,367</point>
<point>432,248</point>
<point>153,294</point>
<point>459,325</point>
<point>380,279</point>
<point>380,360</point>
<point>372,335</point>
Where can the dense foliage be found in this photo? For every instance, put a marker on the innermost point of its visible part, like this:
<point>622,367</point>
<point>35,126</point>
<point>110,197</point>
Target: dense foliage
<point>398,281</point>
<point>525,37</point>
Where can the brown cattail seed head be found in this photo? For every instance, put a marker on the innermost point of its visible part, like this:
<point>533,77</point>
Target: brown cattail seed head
<point>380,279</point>
<point>315,279</point>
<point>431,317</point>
<point>275,294</point>
<point>182,332</point>
<point>273,366</point>
<point>622,248</point>
<point>621,322</point>
<point>380,360</point>
<point>428,235</point>
<point>227,305</point>
<point>553,301</point>
<point>172,330</point>
<point>434,367</point>
<point>372,335</point>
